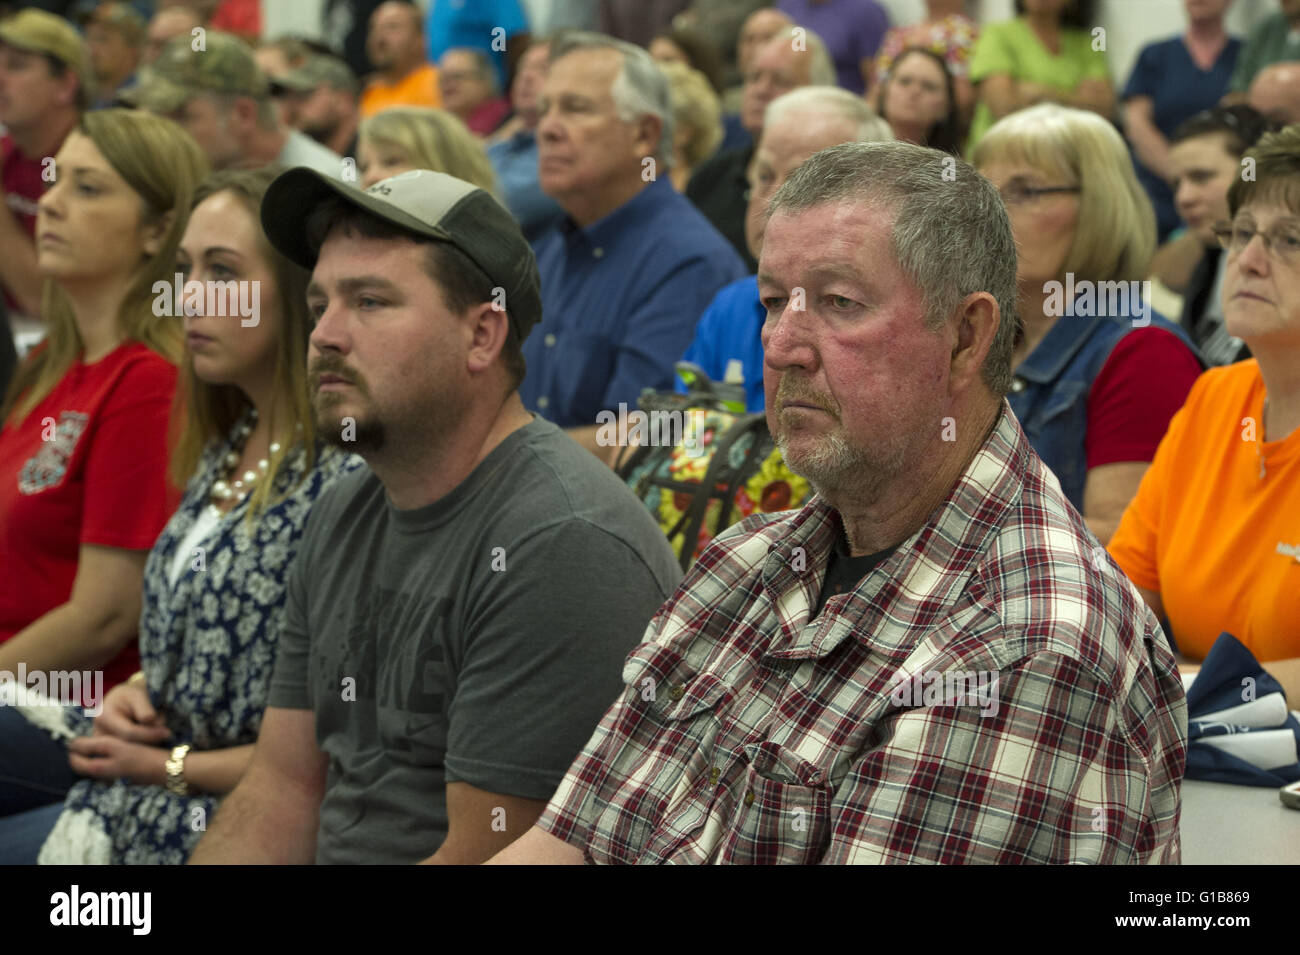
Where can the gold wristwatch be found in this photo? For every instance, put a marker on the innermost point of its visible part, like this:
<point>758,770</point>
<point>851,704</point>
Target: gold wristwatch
<point>175,767</point>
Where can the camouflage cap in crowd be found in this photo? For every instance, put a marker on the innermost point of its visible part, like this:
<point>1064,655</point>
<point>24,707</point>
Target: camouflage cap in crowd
<point>224,65</point>
<point>120,17</point>
<point>318,71</point>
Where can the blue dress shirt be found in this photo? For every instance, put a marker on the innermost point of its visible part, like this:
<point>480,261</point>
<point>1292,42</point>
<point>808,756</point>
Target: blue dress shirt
<point>732,328</point>
<point>620,299</point>
<point>515,162</point>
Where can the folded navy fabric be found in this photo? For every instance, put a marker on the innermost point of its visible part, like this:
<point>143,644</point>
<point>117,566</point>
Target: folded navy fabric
<point>1239,728</point>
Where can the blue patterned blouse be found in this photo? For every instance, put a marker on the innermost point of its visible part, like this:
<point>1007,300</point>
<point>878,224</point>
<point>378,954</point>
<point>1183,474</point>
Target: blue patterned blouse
<point>207,648</point>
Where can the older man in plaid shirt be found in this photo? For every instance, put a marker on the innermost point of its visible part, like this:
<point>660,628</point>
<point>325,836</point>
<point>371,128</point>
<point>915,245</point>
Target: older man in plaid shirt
<point>932,660</point>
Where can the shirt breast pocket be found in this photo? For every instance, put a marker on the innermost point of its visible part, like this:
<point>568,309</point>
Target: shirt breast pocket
<point>783,815</point>
<point>671,716</point>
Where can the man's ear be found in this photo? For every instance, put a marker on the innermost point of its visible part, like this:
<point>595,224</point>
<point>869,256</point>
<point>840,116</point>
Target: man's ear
<point>488,326</point>
<point>244,113</point>
<point>648,130</point>
<point>976,327</point>
<point>156,231</point>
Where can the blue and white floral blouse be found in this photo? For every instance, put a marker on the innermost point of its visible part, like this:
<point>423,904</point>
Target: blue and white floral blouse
<point>207,648</point>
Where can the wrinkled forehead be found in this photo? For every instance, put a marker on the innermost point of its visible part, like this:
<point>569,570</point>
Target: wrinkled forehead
<point>836,232</point>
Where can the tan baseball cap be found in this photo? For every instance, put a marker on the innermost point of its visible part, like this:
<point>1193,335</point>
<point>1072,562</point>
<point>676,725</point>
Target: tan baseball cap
<point>35,31</point>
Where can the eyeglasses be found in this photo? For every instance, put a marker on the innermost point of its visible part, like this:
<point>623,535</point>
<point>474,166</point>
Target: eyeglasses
<point>1281,242</point>
<point>1016,193</point>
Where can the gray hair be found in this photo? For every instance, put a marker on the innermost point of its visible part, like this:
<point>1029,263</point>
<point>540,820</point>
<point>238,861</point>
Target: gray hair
<point>951,234</point>
<point>821,68</point>
<point>483,66</point>
<point>868,126</point>
<point>640,89</point>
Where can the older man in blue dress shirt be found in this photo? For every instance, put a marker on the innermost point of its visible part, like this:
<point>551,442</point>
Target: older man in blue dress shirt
<point>633,265</point>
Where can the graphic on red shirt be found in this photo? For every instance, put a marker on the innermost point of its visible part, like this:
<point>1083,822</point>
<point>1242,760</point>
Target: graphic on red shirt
<point>47,466</point>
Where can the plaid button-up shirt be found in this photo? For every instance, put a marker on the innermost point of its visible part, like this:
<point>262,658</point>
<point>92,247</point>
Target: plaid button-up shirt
<point>994,691</point>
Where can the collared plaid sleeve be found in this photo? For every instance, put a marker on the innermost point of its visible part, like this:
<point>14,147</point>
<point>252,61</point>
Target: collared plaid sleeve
<point>1054,776</point>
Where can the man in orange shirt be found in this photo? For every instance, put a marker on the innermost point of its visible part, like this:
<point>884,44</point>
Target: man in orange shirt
<point>395,45</point>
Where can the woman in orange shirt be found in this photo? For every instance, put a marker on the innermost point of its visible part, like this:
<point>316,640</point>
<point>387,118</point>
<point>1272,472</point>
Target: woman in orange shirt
<point>1212,539</point>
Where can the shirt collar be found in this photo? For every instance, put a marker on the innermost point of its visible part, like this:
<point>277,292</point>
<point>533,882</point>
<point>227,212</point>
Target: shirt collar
<point>917,584</point>
<point>1057,348</point>
<point>626,218</point>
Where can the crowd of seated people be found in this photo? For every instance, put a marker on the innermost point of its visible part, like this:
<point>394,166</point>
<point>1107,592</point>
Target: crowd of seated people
<point>395,280</point>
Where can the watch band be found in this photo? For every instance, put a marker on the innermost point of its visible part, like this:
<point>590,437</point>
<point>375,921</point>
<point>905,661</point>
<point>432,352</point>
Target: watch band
<point>175,768</point>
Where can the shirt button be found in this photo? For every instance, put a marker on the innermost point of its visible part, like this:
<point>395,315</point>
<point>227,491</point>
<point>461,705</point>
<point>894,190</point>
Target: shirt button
<point>749,799</point>
<point>714,774</point>
<point>677,692</point>
<point>549,340</point>
<point>543,401</point>
<point>598,253</point>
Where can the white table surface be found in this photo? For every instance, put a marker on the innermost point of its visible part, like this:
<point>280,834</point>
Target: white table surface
<point>1240,825</point>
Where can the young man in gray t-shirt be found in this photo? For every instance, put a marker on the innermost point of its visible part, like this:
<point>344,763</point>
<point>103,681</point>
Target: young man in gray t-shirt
<point>460,611</point>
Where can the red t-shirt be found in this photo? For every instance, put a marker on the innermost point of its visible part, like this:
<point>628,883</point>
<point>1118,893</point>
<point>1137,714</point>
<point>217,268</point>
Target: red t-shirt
<point>86,466</point>
<point>1143,383</point>
<point>20,177</point>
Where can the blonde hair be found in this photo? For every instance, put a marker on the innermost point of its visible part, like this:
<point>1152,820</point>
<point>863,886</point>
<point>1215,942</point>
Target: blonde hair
<point>1115,237</point>
<point>696,108</point>
<point>163,165</point>
<point>210,411</point>
<point>432,139</point>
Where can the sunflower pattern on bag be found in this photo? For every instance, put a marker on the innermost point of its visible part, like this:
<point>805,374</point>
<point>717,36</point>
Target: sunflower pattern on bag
<point>668,485</point>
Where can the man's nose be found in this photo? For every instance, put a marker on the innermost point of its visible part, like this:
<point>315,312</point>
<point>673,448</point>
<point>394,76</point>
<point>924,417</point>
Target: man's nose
<point>330,331</point>
<point>787,339</point>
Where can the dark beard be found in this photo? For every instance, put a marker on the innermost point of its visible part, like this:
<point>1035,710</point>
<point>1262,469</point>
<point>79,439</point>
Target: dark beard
<point>367,437</point>
<point>321,132</point>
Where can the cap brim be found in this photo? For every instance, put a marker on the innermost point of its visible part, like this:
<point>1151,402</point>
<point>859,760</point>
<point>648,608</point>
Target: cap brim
<point>157,95</point>
<point>293,195</point>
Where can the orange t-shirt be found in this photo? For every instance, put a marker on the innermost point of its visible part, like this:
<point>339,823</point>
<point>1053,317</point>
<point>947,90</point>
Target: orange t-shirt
<point>417,88</point>
<point>1219,543</point>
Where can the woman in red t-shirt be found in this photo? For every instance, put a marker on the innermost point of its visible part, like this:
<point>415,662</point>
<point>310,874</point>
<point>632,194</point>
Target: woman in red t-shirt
<point>83,444</point>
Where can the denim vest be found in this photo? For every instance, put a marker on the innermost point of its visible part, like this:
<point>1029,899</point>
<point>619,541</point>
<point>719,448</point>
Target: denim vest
<point>1050,391</point>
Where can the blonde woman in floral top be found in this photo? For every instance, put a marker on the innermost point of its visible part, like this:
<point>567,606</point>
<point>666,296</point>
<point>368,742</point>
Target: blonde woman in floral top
<point>177,736</point>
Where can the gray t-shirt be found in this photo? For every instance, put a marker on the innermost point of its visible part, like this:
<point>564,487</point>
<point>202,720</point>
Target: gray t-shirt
<point>479,639</point>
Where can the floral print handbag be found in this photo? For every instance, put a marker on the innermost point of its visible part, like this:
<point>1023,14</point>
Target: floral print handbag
<point>723,468</point>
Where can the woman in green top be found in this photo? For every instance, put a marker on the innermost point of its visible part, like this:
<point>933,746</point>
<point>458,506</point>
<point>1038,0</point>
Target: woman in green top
<point>1046,54</point>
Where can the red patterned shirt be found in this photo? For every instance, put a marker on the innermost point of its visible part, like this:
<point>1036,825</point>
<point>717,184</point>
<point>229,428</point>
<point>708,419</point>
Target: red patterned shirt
<point>994,691</point>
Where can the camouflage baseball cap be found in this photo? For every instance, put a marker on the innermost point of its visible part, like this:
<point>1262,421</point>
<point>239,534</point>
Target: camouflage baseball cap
<point>35,31</point>
<point>223,65</point>
<point>318,71</point>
